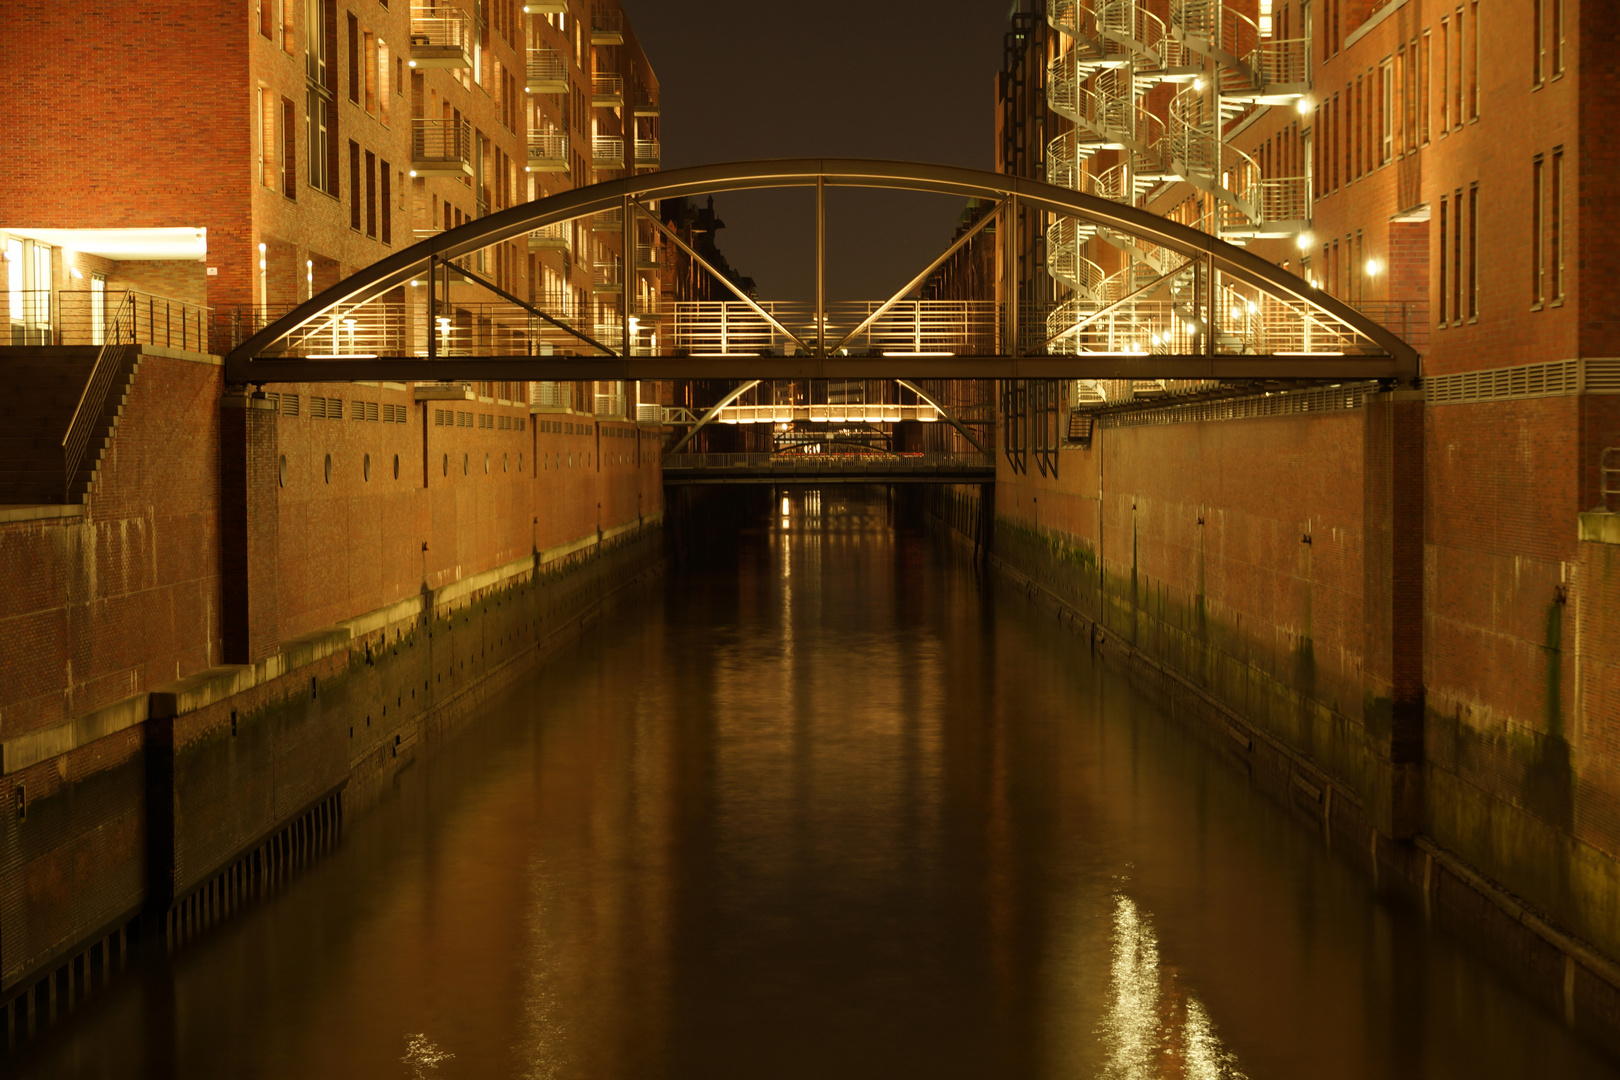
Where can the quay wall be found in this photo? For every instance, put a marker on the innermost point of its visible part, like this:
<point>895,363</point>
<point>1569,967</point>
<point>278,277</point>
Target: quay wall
<point>1396,613</point>
<point>265,608</point>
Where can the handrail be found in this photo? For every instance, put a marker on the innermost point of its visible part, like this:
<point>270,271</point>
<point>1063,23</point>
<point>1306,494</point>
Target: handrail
<point>77,437</point>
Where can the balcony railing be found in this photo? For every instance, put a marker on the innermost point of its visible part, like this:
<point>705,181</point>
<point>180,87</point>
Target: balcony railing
<point>608,221</point>
<point>608,277</point>
<point>85,317</point>
<point>558,237</point>
<point>607,25</point>
<point>648,154</point>
<point>548,71</point>
<point>441,37</point>
<point>607,90</point>
<point>607,152</point>
<point>548,152</point>
<point>646,101</point>
<point>441,147</point>
<point>647,257</point>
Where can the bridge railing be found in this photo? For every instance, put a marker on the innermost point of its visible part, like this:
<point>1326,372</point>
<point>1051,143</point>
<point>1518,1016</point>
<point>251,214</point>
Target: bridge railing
<point>870,464</point>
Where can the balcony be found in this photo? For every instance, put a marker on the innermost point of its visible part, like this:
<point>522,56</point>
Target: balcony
<point>607,152</point>
<point>441,37</point>
<point>646,102</point>
<point>647,257</point>
<point>607,91</point>
<point>548,152</point>
<point>546,7</point>
<point>558,237</point>
<point>607,25</point>
<point>441,147</point>
<point>608,221</point>
<point>548,71</point>
<point>608,277</point>
<point>648,154</point>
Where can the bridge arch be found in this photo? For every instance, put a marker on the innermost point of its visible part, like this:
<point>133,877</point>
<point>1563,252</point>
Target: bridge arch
<point>1202,344</point>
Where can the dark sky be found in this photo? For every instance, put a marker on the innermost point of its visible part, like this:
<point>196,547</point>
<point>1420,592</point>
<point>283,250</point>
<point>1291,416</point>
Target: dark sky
<point>903,79</point>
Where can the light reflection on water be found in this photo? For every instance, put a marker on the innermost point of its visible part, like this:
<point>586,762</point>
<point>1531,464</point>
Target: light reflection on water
<point>822,807</point>
<point>1154,1028</point>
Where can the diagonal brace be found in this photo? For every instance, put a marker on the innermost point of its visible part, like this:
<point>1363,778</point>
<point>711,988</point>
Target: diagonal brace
<point>714,412</point>
<point>953,421</point>
<point>532,310</point>
<point>722,279</point>
<point>920,278</point>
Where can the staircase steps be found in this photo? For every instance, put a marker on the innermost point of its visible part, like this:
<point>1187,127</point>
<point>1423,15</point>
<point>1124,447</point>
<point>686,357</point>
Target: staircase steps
<point>46,386</point>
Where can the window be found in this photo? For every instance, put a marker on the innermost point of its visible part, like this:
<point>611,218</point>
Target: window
<point>1456,259</point>
<point>1473,251</point>
<point>319,142</point>
<point>1444,72</point>
<point>269,145</point>
<point>1387,120</point>
<point>289,149</point>
<point>383,87</point>
<point>354,60</point>
<point>1538,262</point>
<point>1457,77</point>
<point>1473,68</point>
<point>1442,294</point>
<point>368,52</point>
<point>1557,37</point>
<point>354,186</point>
<point>1397,93</point>
<point>1538,43</point>
<point>1555,228</point>
<point>387,204</point>
<point>1423,90</point>
<point>1411,139</point>
<point>371,194</point>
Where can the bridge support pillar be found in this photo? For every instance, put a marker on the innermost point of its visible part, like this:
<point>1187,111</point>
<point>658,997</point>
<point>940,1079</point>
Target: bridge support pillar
<point>1393,697</point>
<point>249,476</point>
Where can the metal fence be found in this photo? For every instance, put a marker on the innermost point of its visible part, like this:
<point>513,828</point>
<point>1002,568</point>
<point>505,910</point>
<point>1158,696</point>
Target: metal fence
<point>1610,479</point>
<point>86,317</point>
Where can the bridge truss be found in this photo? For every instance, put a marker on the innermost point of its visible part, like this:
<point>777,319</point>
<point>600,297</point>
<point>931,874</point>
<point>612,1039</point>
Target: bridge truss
<point>1215,312</point>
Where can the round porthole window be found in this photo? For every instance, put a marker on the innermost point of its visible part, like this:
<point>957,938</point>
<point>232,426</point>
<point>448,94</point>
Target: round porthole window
<point>281,470</point>
<point>396,466</point>
<point>365,468</point>
<point>328,468</point>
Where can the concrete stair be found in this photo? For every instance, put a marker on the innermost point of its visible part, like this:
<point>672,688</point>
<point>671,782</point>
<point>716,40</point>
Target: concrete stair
<point>45,386</point>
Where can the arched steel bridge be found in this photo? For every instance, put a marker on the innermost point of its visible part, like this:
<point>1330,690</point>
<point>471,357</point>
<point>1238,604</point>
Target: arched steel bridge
<point>1220,313</point>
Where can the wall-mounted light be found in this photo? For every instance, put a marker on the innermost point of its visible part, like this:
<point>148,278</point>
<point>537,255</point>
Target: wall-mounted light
<point>1304,241</point>
<point>1304,106</point>
<point>1374,267</point>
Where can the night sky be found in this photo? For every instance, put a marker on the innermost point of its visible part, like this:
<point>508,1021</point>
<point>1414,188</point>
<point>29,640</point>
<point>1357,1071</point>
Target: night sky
<point>903,79</point>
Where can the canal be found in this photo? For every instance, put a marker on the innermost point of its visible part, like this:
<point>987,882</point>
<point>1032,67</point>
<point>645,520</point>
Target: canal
<point>823,804</point>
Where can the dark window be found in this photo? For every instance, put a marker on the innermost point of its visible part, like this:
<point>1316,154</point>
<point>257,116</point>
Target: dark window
<point>387,205</point>
<point>371,193</point>
<point>354,185</point>
<point>354,60</point>
<point>289,149</point>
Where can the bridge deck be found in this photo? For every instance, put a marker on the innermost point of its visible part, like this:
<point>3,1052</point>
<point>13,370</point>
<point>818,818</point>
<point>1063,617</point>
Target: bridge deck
<point>584,369</point>
<point>686,469</point>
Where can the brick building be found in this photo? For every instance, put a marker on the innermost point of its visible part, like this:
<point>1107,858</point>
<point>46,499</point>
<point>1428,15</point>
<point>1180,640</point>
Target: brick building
<point>1406,588</point>
<point>193,170</point>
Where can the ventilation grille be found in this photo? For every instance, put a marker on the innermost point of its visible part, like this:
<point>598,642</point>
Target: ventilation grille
<point>1557,379</point>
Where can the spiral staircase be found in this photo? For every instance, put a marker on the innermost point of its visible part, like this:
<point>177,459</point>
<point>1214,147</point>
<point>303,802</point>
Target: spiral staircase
<point>1223,70</point>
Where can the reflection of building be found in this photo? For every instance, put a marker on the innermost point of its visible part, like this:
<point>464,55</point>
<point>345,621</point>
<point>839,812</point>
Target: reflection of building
<point>363,132</point>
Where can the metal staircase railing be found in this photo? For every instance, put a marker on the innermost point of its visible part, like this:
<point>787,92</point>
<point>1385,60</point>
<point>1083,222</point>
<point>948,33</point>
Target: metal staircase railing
<point>119,334</point>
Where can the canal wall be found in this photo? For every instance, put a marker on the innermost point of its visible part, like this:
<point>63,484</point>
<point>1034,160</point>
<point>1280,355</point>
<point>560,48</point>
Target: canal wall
<point>1393,613</point>
<point>262,611</point>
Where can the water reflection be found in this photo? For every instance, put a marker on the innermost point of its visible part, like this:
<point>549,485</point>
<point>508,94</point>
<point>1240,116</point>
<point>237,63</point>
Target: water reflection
<point>824,806</point>
<point>1155,1028</point>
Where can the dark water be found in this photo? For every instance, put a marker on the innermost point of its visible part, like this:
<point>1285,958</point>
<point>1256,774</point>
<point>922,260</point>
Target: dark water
<point>822,808</point>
